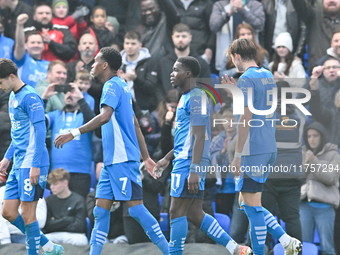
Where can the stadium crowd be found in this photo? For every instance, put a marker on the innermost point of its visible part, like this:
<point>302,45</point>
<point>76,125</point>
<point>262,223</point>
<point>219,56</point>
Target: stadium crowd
<point>54,43</point>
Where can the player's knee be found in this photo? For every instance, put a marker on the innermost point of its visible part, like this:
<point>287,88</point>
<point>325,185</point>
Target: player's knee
<point>99,212</point>
<point>28,216</point>
<point>7,214</point>
<point>176,212</point>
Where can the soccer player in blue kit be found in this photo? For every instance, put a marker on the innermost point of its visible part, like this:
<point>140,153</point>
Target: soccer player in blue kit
<point>190,153</point>
<point>256,147</point>
<point>27,179</point>
<point>120,178</point>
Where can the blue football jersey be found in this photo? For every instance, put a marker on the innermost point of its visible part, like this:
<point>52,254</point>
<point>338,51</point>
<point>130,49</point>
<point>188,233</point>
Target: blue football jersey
<point>118,135</point>
<point>76,155</point>
<point>25,108</point>
<point>6,47</point>
<point>261,139</point>
<point>31,71</point>
<point>189,113</point>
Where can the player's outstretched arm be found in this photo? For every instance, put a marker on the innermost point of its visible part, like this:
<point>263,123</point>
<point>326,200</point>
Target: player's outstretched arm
<point>93,124</point>
<point>149,163</point>
<point>242,134</point>
<point>163,163</point>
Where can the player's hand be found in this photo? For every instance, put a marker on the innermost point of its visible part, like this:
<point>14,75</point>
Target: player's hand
<point>62,139</point>
<point>21,19</point>
<point>34,175</point>
<point>49,91</point>
<point>235,167</point>
<point>76,93</point>
<point>149,166</point>
<point>193,183</point>
<point>4,163</point>
<point>225,80</point>
<point>160,166</point>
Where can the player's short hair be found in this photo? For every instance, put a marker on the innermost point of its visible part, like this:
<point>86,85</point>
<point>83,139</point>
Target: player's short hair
<point>133,35</point>
<point>191,64</point>
<point>58,174</point>
<point>30,33</point>
<point>83,75</point>
<point>41,3</point>
<point>112,57</point>
<point>98,7</point>
<point>55,62</point>
<point>7,67</point>
<point>181,27</point>
<point>244,47</point>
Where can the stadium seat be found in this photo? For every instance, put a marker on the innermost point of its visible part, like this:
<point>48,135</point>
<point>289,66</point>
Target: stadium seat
<point>91,189</point>
<point>88,228</point>
<point>163,223</point>
<point>47,192</point>
<point>223,220</point>
<point>215,79</point>
<point>316,237</point>
<point>307,249</point>
<point>160,199</point>
<point>283,224</point>
<point>93,175</point>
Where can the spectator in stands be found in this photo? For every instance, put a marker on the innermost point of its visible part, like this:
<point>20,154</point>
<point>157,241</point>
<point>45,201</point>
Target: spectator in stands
<point>282,17</point>
<point>219,157</point>
<point>154,29</point>
<point>76,156</point>
<point>6,48</point>
<point>103,36</point>
<point>182,39</point>
<point>11,9</point>
<point>320,194</point>
<point>333,51</point>
<point>282,188</point>
<point>8,232</point>
<point>285,66</point>
<point>74,22</point>
<point>87,48</point>
<point>139,69</point>
<point>56,75</point>
<point>59,41</point>
<point>226,16</point>
<point>27,54</point>
<point>5,127</point>
<point>320,22</point>
<point>112,25</point>
<point>66,211</point>
<point>196,15</point>
<point>83,81</point>
<point>328,83</point>
<point>244,30</point>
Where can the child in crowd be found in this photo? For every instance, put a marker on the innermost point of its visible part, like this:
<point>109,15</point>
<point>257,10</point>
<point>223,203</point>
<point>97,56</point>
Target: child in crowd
<point>83,81</point>
<point>112,25</point>
<point>104,37</point>
<point>75,22</point>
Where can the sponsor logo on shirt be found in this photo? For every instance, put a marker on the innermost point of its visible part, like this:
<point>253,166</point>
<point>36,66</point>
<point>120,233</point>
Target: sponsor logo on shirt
<point>110,92</point>
<point>35,107</point>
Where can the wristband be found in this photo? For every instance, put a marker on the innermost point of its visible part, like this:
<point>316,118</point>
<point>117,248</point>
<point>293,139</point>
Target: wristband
<point>193,168</point>
<point>75,132</point>
<point>238,154</point>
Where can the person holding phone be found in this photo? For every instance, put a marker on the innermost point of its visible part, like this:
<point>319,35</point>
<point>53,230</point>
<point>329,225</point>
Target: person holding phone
<point>56,76</point>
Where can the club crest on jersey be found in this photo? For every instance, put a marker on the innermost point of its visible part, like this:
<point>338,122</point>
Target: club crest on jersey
<point>15,104</point>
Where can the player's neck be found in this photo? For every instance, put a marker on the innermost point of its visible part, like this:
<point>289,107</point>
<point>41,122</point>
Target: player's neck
<point>246,65</point>
<point>183,53</point>
<point>18,84</point>
<point>189,85</point>
<point>108,76</point>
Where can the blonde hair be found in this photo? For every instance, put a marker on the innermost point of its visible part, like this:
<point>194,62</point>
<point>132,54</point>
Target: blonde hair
<point>58,174</point>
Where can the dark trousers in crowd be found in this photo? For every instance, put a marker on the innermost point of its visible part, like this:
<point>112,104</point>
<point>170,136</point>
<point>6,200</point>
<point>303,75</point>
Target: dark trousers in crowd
<point>282,197</point>
<point>80,183</point>
<point>239,222</point>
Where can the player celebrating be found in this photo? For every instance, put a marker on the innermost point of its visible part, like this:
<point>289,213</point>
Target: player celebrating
<point>120,178</point>
<point>191,153</point>
<point>27,179</point>
<point>256,147</point>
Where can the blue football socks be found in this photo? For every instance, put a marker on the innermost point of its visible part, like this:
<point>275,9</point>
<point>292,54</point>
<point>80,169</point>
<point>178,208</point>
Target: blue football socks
<point>100,229</point>
<point>178,234</point>
<point>150,226</point>
<point>210,226</point>
<point>32,238</point>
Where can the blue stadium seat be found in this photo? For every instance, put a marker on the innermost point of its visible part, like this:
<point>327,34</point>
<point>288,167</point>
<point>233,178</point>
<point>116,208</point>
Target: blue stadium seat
<point>47,192</point>
<point>93,175</point>
<point>163,223</point>
<point>223,220</point>
<point>307,249</point>
<point>283,224</point>
<point>316,237</point>
<point>91,189</point>
<point>160,199</point>
<point>88,228</point>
